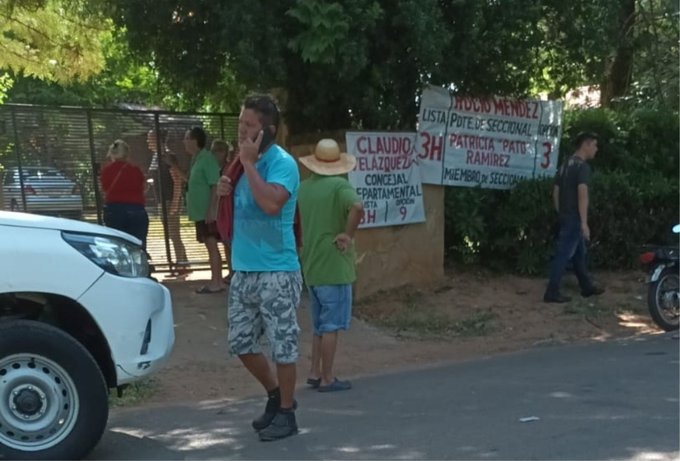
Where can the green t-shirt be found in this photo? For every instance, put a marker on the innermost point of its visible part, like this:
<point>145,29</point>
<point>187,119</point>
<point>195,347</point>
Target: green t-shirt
<point>204,173</point>
<point>324,203</point>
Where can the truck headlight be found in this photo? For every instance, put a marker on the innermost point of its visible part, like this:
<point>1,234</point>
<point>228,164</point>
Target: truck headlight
<point>111,254</point>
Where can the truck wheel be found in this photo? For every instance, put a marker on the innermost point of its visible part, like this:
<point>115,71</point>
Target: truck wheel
<point>53,397</point>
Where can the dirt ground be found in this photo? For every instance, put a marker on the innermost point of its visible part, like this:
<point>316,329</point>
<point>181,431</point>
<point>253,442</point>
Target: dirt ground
<point>468,315</point>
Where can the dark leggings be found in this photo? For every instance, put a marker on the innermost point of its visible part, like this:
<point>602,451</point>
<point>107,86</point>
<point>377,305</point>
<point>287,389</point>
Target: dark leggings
<point>127,217</point>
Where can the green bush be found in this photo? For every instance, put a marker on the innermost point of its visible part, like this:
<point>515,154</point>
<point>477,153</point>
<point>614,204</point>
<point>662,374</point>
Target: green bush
<point>524,227</point>
<point>634,199</point>
<point>627,212</point>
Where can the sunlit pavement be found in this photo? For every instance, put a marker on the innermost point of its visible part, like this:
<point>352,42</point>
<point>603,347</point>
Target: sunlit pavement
<point>612,400</point>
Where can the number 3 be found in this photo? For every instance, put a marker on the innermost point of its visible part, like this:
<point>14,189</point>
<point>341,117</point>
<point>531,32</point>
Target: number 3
<point>546,155</point>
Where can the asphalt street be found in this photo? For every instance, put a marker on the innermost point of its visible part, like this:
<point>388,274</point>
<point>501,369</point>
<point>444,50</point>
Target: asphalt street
<point>607,400</point>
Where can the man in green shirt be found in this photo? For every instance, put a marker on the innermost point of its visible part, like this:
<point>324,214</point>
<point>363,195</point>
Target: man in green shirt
<point>202,203</point>
<point>330,212</point>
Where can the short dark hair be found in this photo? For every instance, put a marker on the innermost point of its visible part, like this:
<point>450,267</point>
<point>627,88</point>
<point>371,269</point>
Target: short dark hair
<point>196,133</point>
<point>265,107</point>
<point>584,136</point>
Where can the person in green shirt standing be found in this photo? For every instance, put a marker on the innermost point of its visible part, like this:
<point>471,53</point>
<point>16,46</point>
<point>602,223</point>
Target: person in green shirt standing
<point>330,211</point>
<point>202,203</point>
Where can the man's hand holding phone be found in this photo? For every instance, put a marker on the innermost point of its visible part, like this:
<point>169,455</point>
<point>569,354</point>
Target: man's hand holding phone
<point>250,149</point>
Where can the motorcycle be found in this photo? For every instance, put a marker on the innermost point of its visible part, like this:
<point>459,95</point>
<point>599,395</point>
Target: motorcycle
<point>663,279</point>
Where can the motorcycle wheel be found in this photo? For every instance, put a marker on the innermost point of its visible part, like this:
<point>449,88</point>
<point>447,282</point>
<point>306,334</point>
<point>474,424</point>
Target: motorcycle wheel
<point>663,299</point>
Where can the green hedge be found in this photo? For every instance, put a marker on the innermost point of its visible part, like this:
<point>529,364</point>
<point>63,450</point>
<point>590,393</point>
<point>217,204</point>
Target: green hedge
<point>634,199</point>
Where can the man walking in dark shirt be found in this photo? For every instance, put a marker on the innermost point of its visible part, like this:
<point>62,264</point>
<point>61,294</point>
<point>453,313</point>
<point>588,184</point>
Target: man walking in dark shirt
<point>570,196</point>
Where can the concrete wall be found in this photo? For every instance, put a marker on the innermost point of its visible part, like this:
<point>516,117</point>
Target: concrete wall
<point>389,257</point>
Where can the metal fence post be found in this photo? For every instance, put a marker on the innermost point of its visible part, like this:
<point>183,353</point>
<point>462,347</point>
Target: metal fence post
<point>160,147</point>
<point>18,154</point>
<point>95,167</point>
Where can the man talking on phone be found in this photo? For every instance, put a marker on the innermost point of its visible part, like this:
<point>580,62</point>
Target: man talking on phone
<point>266,285</point>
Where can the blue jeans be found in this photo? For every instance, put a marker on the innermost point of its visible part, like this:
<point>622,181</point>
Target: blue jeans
<point>331,308</point>
<point>128,217</point>
<point>570,246</point>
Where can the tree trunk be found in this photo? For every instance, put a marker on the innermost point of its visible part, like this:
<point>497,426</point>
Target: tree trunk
<point>619,68</point>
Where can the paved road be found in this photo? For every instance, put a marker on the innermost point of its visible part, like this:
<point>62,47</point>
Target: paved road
<point>612,400</point>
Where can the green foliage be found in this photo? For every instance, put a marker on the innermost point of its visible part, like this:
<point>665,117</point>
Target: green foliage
<point>643,141</point>
<point>327,30</point>
<point>466,218</point>
<point>5,84</point>
<point>628,211</point>
<point>135,394</point>
<point>506,230</point>
<point>56,40</point>
<point>351,64</point>
<point>634,199</point>
<point>525,226</point>
<point>361,64</point>
<point>651,138</point>
<point>124,79</point>
<point>655,68</point>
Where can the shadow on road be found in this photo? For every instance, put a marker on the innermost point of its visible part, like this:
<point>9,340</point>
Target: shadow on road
<point>613,400</point>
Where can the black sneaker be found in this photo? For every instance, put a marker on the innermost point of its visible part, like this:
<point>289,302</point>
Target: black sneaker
<point>283,425</point>
<point>594,291</point>
<point>556,299</point>
<point>270,410</point>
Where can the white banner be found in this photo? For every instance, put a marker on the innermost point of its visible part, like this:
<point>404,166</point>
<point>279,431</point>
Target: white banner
<point>487,142</point>
<point>386,178</point>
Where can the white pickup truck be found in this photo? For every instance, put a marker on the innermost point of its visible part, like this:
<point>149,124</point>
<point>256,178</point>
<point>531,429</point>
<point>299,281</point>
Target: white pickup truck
<point>79,315</point>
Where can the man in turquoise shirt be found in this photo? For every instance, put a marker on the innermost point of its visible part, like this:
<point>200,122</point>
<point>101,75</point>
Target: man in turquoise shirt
<point>265,289</point>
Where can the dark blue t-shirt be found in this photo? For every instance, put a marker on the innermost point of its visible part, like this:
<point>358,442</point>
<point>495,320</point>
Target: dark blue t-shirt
<point>572,173</point>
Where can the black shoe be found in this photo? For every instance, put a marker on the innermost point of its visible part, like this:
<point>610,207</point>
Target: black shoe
<point>283,425</point>
<point>556,299</point>
<point>594,291</point>
<point>272,408</point>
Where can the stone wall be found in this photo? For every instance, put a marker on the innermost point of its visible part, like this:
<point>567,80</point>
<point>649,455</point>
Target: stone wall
<point>390,257</point>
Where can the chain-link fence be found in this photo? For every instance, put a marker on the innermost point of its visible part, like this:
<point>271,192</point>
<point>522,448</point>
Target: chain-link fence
<point>50,158</point>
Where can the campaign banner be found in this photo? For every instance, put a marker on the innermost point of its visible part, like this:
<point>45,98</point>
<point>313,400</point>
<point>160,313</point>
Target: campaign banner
<point>386,178</point>
<point>488,142</point>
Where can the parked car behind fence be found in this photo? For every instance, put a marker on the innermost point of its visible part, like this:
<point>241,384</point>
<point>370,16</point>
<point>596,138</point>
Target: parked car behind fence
<point>46,191</point>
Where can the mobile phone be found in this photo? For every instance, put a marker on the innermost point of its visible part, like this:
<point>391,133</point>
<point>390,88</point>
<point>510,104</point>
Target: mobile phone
<point>267,139</point>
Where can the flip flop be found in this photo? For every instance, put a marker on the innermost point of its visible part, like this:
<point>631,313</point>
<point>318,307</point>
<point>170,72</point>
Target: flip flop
<point>336,385</point>
<point>314,383</point>
<point>204,290</point>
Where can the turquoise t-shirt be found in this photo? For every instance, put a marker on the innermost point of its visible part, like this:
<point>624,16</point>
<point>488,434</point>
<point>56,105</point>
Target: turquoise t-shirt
<point>204,173</point>
<point>264,243</point>
<point>324,203</point>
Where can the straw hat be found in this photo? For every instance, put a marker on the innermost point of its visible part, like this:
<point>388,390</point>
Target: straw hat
<point>327,159</point>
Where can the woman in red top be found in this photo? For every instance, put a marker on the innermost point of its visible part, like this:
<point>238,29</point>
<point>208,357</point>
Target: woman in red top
<point>123,184</point>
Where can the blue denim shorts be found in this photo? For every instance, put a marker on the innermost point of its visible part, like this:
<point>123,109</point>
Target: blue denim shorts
<point>331,307</point>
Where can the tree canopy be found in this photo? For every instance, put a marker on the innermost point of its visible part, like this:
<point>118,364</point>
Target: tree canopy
<point>58,40</point>
<point>361,63</point>
<point>338,65</point>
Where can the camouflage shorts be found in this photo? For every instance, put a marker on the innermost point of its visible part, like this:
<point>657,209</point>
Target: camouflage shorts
<point>264,302</point>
